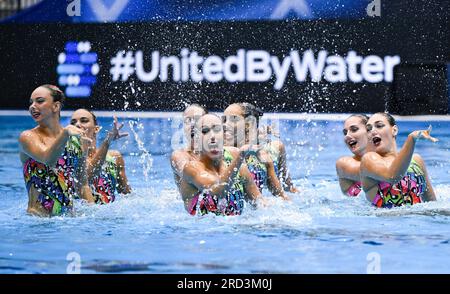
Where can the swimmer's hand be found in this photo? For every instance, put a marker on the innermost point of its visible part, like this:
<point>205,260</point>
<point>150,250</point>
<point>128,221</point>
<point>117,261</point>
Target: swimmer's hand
<point>286,198</point>
<point>294,189</point>
<point>115,134</point>
<point>261,202</point>
<point>424,134</point>
<point>79,133</point>
<point>248,149</point>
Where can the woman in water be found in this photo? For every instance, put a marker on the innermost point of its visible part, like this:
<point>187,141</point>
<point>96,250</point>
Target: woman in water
<point>180,157</point>
<point>219,181</point>
<point>241,122</point>
<point>105,168</point>
<point>347,167</point>
<point>277,151</point>
<point>52,156</point>
<point>390,178</point>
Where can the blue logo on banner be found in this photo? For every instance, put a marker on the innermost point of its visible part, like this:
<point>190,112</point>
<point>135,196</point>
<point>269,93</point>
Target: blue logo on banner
<point>77,69</point>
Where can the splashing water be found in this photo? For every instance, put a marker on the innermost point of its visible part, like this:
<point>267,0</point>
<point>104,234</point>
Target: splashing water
<point>320,231</point>
<point>145,159</point>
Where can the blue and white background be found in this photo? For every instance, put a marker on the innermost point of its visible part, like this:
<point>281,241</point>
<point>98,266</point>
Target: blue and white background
<point>163,10</point>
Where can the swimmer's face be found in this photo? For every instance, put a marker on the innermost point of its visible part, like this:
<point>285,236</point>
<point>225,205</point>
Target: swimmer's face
<point>210,130</point>
<point>381,134</point>
<point>234,126</point>
<point>84,120</point>
<point>355,135</point>
<point>42,105</point>
<point>190,117</point>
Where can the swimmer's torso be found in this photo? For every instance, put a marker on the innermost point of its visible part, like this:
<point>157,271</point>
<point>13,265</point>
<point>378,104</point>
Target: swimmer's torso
<point>258,171</point>
<point>104,185</point>
<point>408,191</point>
<point>52,189</point>
<point>203,202</point>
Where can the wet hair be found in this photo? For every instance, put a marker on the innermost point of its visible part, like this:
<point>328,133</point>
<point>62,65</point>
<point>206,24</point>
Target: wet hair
<point>56,93</point>
<point>91,113</point>
<point>364,118</point>
<point>251,110</point>
<point>388,117</point>
<point>198,106</point>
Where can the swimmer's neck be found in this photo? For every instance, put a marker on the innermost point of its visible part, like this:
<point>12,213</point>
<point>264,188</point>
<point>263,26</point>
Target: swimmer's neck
<point>357,157</point>
<point>391,153</point>
<point>50,127</point>
<point>211,163</point>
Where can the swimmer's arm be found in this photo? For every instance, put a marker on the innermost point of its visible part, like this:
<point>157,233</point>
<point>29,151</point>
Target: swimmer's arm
<point>124,187</point>
<point>373,166</point>
<point>86,193</point>
<point>345,184</point>
<point>95,163</point>
<point>251,190</point>
<point>348,168</point>
<point>81,183</point>
<point>429,193</point>
<point>284,172</point>
<point>272,179</point>
<point>178,160</point>
<point>194,173</point>
<point>48,155</point>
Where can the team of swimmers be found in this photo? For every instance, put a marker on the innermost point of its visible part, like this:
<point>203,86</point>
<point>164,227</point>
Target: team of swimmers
<point>227,163</point>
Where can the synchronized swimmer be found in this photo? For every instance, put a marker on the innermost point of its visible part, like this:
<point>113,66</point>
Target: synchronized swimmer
<point>61,164</point>
<point>105,169</point>
<point>226,165</point>
<point>387,177</point>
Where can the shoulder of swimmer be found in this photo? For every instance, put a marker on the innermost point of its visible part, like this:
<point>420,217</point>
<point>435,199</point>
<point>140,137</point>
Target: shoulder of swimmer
<point>419,160</point>
<point>347,164</point>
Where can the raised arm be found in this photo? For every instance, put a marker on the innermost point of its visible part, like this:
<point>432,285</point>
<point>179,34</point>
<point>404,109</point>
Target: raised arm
<point>272,179</point>
<point>33,147</point>
<point>123,186</point>
<point>194,172</point>
<point>95,163</point>
<point>373,167</point>
<point>285,177</point>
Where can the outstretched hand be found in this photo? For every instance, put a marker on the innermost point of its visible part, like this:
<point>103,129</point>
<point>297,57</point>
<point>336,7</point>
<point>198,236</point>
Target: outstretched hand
<point>115,134</point>
<point>424,134</point>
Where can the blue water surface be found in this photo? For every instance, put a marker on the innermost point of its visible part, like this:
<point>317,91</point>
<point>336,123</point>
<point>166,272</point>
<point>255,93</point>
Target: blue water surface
<point>149,231</point>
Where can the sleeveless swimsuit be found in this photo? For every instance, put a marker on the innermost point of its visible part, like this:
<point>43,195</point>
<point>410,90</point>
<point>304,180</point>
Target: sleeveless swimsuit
<point>257,170</point>
<point>408,191</point>
<point>354,189</point>
<point>56,185</point>
<point>104,185</point>
<point>203,202</point>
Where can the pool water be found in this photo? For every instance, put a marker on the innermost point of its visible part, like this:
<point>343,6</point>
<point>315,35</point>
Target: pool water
<point>149,231</point>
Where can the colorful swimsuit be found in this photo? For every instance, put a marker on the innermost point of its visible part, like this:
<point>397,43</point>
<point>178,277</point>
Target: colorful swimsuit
<point>257,170</point>
<point>354,189</point>
<point>105,184</point>
<point>56,186</point>
<point>408,191</point>
<point>203,202</point>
